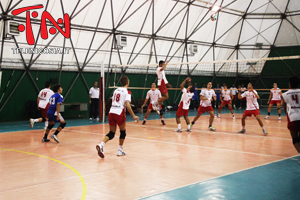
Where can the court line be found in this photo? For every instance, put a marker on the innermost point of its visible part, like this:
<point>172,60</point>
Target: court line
<point>237,134</point>
<point>191,145</point>
<point>84,187</point>
<point>217,177</point>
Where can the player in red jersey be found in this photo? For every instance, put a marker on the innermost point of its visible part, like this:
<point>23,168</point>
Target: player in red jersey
<point>117,116</point>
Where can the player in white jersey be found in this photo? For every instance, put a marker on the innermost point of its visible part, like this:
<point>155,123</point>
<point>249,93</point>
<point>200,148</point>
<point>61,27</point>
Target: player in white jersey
<point>276,99</point>
<point>154,94</point>
<point>117,116</point>
<point>226,97</point>
<point>206,97</point>
<point>43,105</point>
<point>252,107</point>
<point>234,92</point>
<point>291,106</point>
<point>184,105</point>
<point>162,83</point>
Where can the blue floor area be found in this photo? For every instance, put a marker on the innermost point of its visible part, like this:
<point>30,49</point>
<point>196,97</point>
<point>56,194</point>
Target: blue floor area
<point>24,125</point>
<point>278,180</point>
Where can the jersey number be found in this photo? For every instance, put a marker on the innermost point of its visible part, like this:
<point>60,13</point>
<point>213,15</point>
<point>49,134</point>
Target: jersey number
<point>44,94</point>
<point>52,101</point>
<point>117,97</point>
<point>295,98</point>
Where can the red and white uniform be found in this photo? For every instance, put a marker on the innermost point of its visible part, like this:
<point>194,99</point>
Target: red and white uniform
<point>44,97</point>
<point>161,80</point>
<point>252,104</point>
<point>276,98</point>
<point>234,92</point>
<point>154,96</point>
<point>117,113</point>
<point>292,100</point>
<point>184,104</point>
<point>226,97</point>
<point>205,105</point>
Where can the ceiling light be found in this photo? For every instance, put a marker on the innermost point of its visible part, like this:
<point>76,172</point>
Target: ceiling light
<point>215,8</point>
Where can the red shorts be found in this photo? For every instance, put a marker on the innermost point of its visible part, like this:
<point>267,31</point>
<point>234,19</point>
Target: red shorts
<point>275,102</point>
<point>224,103</point>
<point>150,106</point>
<point>294,126</point>
<point>249,113</point>
<point>202,110</point>
<point>234,98</point>
<point>181,112</point>
<point>162,87</point>
<point>114,119</point>
<point>44,111</point>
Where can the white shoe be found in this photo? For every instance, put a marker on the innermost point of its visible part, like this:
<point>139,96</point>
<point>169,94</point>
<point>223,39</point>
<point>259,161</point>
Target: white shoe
<point>233,117</point>
<point>211,128</point>
<point>189,130</point>
<point>99,148</point>
<point>265,132</point>
<point>91,119</point>
<point>218,115</point>
<point>267,117</point>
<point>97,118</point>
<point>234,107</point>
<point>31,122</point>
<point>121,152</point>
<point>279,118</point>
<point>178,130</point>
<point>154,106</point>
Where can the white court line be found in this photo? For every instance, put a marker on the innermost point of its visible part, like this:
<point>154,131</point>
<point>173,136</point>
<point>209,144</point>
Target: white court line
<point>218,177</point>
<point>228,133</point>
<point>190,145</point>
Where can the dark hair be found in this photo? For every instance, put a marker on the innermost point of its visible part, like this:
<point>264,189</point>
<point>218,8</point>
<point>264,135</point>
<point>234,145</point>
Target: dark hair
<point>124,80</point>
<point>56,87</point>
<point>294,81</point>
<point>192,89</point>
<point>47,84</point>
<point>161,62</point>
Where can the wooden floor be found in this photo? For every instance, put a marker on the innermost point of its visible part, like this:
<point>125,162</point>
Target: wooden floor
<point>157,160</point>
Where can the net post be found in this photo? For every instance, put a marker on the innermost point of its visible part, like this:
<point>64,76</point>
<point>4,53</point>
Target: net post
<point>102,95</point>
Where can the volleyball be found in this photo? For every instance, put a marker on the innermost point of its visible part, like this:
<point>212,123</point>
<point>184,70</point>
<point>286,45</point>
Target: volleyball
<point>213,17</point>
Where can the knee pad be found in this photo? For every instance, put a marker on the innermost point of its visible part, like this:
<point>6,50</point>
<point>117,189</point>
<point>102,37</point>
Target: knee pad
<point>161,113</point>
<point>296,140</point>
<point>110,135</point>
<point>123,134</point>
<point>63,125</point>
<point>50,126</point>
<point>44,119</point>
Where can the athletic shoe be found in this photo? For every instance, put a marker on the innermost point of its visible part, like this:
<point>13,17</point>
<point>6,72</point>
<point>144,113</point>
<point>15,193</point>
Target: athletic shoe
<point>163,122</point>
<point>45,140</point>
<point>91,119</point>
<point>97,118</point>
<point>233,117</point>
<point>192,125</point>
<point>242,131</point>
<point>267,117</point>
<point>218,115</point>
<point>121,152</point>
<point>100,150</point>
<point>189,130</point>
<point>234,107</point>
<point>178,130</point>
<point>154,106</point>
<point>211,128</point>
<point>265,132</point>
<point>144,122</point>
<point>279,118</point>
<point>31,122</point>
<point>54,137</point>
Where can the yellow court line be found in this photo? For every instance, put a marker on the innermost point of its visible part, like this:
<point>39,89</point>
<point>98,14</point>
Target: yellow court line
<point>84,188</point>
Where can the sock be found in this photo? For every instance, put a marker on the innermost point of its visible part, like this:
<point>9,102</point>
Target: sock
<point>102,144</point>
<point>36,120</point>
<point>179,126</point>
<point>46,123</point>
<point>269,113</point>
<point>56,132</point>
<point>145,119</point>
<point>193,123</point>
<point>189,126</point>
<point>45,136</point>
<point>244,127</point>
<point>120,147</point>
<point>279,115</point>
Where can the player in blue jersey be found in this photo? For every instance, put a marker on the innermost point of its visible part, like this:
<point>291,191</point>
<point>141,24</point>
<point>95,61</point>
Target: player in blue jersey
<point>53,114</point>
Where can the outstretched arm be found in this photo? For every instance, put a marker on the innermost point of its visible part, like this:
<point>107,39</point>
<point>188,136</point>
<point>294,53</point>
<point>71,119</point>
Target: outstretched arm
<point>127,104</point>
<point>183,82</point>
<point>164,66</point>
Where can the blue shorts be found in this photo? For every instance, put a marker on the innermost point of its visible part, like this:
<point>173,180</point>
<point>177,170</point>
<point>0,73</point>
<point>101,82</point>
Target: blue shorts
<point>218,97</point>
<point>195,98</point>
<point>52,117</point>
